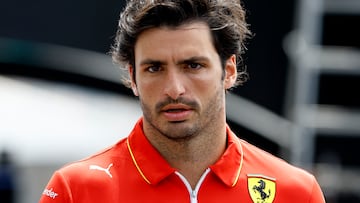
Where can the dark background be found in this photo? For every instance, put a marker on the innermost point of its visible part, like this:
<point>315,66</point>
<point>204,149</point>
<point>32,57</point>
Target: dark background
<point>92,24</point>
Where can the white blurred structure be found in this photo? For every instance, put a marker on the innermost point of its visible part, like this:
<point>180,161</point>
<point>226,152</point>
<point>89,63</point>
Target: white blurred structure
<point>50,122</point>
<point>45,125</point>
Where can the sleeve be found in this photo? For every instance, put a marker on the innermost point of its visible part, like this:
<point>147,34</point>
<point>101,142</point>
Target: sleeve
<point>317,195</point>
<point>57,190</point>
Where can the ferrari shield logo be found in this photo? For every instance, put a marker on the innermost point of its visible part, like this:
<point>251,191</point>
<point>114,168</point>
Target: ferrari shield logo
<point>262,189</point>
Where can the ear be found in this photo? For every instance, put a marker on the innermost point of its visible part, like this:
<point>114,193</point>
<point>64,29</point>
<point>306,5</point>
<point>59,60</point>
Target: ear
<point>132,82</point>
<point>230,72</point>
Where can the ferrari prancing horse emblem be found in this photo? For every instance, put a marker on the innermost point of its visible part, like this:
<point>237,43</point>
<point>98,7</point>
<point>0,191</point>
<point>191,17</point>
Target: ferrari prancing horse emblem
<point>261,188</point>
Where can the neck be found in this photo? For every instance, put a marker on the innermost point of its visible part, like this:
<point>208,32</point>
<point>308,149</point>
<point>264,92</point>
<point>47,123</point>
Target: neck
<point>192,156</point>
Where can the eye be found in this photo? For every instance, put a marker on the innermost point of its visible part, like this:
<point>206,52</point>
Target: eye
<point>194,66</point>
<point>153,69</point>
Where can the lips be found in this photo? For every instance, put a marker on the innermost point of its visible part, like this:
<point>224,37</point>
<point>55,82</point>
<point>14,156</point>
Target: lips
<point>176,112</point>
<point>175,107</point>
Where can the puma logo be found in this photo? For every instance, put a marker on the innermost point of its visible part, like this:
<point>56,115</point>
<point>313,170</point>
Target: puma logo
<point>106,170</point>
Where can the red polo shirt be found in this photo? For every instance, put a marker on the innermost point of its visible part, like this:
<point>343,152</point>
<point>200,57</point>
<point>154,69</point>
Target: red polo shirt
<point>133,171</point>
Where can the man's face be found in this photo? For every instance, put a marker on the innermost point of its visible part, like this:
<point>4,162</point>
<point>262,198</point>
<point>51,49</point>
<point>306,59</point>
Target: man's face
<point>179,80</point>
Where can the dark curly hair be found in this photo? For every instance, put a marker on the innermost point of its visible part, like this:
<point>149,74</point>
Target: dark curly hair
<point>225,18</point>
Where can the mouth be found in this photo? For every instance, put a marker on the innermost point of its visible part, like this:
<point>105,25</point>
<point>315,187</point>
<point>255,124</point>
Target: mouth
<point>175,108</point>
<point>176,112</point>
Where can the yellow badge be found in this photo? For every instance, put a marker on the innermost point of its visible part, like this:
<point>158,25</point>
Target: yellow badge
<point>262,189</point>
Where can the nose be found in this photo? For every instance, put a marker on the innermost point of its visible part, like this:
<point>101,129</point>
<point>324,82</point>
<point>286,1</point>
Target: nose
<point>174,84</point>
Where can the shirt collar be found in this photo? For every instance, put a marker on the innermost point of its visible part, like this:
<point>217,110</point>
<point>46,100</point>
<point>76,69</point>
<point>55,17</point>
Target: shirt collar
<point>150,164</point>
<point>229,166</point>
<point>153,167</point>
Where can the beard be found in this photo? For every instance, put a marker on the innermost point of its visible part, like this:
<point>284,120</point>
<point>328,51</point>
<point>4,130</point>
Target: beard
<point>203,120</point>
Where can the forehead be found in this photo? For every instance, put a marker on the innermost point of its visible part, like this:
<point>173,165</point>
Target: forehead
<point>191,36</point>
<point>187,28</point>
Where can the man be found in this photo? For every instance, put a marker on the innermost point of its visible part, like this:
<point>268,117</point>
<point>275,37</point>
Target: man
<point>182,57</point>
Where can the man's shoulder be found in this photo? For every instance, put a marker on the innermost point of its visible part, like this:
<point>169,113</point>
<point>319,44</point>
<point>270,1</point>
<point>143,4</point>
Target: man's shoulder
<point>103,159</point>
<point>257,159</point>
<point>94,174</point>
<point>289,178</point>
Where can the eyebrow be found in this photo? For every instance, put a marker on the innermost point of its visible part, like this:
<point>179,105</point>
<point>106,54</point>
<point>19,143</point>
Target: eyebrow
<point>151,61</point>
<point>193,59</point>
<point>184,61</point>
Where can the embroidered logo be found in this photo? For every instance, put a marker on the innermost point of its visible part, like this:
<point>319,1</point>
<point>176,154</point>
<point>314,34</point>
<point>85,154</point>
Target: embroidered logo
<point>106,170</point>
<point>50,193</point>
<point>262,189</point>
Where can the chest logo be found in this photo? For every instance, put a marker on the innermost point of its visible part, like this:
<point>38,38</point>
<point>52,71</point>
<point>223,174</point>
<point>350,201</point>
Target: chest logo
<point>99,168</point>
<point>262,189</point>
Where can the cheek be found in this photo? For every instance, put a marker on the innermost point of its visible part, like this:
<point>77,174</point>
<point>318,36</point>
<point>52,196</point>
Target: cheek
<point>207,87</point>
<point>148,91</point>
<point>211,81</point>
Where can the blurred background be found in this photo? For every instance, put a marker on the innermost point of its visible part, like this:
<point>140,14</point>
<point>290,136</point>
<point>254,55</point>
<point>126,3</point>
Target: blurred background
<point>61,98</point>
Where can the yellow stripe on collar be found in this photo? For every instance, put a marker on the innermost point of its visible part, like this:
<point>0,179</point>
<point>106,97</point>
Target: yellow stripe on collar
<point>136,164</point>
